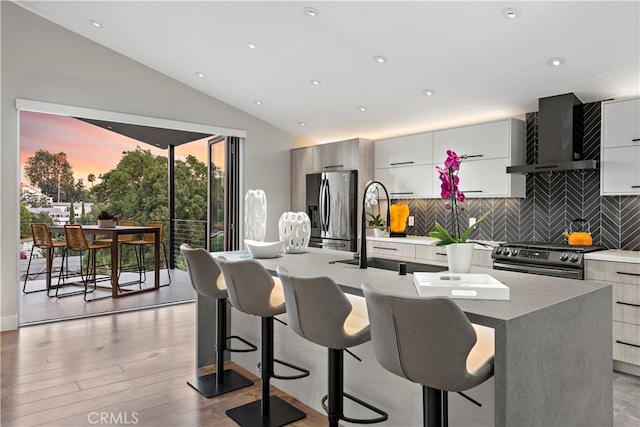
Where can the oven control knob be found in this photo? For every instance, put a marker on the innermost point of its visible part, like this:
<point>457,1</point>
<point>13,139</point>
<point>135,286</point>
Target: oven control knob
<point>506,251</point>
<point>514,253</point>
<point>498,251</point>
<point>564,256</point>
<point>574,258</point>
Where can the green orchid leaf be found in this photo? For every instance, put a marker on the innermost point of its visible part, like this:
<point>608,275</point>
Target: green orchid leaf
<point>469,230</point>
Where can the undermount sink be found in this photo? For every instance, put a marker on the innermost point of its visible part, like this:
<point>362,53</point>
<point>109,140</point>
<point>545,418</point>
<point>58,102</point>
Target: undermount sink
<point>392,265</point>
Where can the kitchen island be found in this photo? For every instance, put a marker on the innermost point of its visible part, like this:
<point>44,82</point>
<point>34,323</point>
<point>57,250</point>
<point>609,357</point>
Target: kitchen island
<point>553,363</point>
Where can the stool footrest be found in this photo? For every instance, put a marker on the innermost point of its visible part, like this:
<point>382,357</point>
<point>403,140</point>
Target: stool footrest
<point>383,415</point>
<point>251,346</point>
<point>304,372</point>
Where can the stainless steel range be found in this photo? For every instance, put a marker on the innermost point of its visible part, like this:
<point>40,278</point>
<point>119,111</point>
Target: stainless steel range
<point>547,259</point>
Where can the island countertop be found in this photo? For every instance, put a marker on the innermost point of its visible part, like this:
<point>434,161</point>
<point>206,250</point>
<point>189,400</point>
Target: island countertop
<point>553,351</point>
<point>528,292</point>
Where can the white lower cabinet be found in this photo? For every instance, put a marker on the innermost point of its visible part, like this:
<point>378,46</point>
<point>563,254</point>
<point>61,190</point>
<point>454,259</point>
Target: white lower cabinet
<point>391,249</point>
<point>625,282</point>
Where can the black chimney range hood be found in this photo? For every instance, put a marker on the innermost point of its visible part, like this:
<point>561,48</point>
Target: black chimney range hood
<point>560,137</point>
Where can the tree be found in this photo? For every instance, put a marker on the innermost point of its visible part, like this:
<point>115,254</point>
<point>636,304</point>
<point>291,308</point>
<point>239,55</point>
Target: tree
<point>26,218</point>
<point>52,173</point>
<point>72,214</point>
<point>137,187</point>
<point>91,178</point>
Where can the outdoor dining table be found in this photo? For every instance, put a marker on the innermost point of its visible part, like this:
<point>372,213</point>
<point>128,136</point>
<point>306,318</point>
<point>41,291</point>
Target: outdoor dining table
<point>113,233</point>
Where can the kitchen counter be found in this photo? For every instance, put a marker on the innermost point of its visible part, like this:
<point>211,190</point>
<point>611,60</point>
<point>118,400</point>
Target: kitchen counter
<point>553,363</point>
<point>615,255</point>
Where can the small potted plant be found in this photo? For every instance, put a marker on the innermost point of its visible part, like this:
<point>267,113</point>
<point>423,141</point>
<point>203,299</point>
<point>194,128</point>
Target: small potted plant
<point>375,220</point>
<point>106,220</point>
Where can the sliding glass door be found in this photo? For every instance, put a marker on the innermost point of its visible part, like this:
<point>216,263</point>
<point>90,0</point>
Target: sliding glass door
<point>224,191</point>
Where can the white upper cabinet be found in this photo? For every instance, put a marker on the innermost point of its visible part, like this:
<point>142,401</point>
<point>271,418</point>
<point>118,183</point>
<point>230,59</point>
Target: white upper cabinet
<point>490,148</point>
<point>620,148</point>
<point>483,141</point>
<point>406,182</point>
<point>621,123</point>
<point>404,151</point>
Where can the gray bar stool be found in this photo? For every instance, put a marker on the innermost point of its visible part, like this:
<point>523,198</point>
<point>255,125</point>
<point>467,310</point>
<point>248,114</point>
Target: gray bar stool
<point>319,311</point>
<point>208,282</point>
<point>431,342</point>
<point>254,291</point>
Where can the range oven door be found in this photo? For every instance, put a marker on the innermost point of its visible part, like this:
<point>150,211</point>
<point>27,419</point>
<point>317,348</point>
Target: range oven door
<point>555,271</point>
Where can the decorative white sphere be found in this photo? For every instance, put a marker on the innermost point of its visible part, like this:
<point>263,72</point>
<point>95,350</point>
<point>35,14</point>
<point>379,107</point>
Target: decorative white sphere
<point>255,215</point>
<point>294,230</point>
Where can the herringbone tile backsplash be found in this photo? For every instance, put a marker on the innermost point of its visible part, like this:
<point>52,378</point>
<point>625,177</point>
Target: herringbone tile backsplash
<point>552,202</point>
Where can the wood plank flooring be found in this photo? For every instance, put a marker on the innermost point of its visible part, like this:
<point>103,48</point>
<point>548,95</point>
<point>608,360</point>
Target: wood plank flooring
<point>133,368</point>
<point>128,365</point>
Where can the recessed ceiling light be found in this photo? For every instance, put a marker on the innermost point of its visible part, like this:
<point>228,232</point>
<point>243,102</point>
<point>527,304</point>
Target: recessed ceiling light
<point>201,75</point>
<point>429,92</point>
<point>310,11</point>
<point>95,23</point>
<point>380,59</point>
<point>302,124</point>
<point>252,46</point>
<point>511,13</point>
<point>363,109</point>
<point>556,62</point>
<point>258,102</point>
<point>315,82</point>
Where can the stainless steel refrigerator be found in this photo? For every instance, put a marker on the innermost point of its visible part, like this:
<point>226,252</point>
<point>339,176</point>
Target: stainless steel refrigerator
<point>332,209</point>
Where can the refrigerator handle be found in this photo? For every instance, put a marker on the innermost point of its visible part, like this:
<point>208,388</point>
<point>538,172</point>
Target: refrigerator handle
<point>328,205</point>
<point>321,204</point>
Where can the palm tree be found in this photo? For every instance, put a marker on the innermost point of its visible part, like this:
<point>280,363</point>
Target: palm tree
<point>91,178</point>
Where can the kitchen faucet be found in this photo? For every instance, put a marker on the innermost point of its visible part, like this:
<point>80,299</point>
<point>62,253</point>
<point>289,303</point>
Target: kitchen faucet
<point>363,236</point>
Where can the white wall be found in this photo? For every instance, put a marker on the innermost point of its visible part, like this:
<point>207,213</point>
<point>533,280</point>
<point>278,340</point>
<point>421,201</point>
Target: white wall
<point>44,62</point>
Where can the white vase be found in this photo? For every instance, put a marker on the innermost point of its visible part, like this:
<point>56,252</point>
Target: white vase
<point>295,230</point>
<point>459,257</point>
<point>378,232</point>
<point>255,215</point>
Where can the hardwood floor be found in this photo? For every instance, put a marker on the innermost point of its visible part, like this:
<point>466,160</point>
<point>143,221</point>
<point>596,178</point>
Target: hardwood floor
<point>131,368</point>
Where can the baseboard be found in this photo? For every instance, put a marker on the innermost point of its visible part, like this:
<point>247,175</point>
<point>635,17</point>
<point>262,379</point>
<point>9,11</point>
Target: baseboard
<point>9,323</point>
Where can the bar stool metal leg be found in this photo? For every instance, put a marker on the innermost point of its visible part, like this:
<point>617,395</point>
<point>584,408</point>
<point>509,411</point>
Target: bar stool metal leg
<point>270,411</point>
<point>223,380</point>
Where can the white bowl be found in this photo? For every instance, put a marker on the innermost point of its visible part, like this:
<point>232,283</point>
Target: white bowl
<point>263,249</point>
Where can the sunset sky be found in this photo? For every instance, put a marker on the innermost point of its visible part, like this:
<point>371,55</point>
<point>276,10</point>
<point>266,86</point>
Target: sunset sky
<point>89,148</point>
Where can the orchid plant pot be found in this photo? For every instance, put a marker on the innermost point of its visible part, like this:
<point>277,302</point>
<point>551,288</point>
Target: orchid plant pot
<point>378,232</point>
<point>460,257</point>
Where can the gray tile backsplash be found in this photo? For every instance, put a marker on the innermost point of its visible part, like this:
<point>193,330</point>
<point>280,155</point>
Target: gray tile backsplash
<point>552,202</point>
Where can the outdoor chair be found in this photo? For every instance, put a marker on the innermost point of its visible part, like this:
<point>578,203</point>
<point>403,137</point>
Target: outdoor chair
<point>149,239</point>
<point>42,240</point>
<point>77,242</point>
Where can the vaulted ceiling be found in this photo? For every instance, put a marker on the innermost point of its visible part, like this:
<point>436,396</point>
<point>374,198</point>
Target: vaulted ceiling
<point>312,68</point>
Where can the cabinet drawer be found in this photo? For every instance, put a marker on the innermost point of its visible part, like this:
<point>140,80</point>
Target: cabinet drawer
<point>393,249</point>
<point>626,303</point>
<point>620,272</point>
<point>404,151</point>
<point>431,253</point>
<point>626,342</point>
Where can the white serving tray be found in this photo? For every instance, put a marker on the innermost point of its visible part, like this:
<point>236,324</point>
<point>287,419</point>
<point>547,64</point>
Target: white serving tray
<point>463,286</point>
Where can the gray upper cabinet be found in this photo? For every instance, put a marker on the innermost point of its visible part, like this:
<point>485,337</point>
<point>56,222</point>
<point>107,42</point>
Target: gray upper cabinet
<point>352,154</point>
<point>336,156</point>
